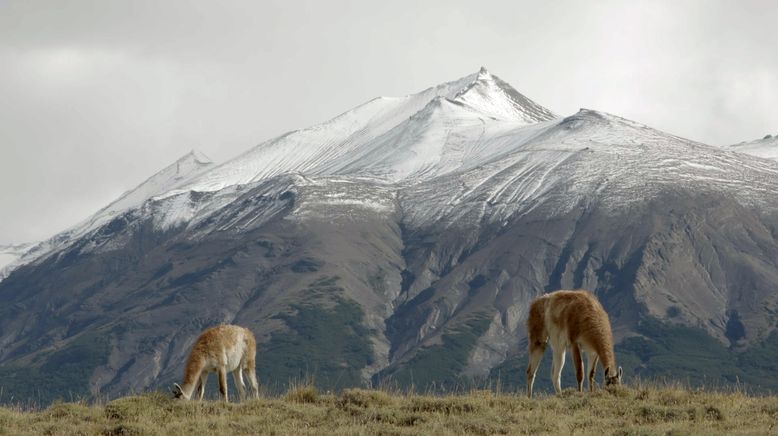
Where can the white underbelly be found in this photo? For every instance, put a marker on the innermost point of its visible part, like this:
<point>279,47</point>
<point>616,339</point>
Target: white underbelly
<point>233,360</point>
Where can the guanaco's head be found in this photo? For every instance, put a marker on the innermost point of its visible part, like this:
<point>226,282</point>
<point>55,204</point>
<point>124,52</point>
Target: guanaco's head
<point>178,393</point>
<point>613,379</point>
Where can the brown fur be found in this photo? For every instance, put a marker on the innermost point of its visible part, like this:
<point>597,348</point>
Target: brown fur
<point>220,349</point>
<point>573,319</point>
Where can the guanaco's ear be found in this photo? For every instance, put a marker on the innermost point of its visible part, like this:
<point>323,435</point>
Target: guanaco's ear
<point>606,372</point>
<point>621,373</point>
<point>177,392</point>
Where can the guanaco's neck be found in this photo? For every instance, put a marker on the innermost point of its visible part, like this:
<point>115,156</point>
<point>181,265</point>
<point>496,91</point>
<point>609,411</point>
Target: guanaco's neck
<point>194,367</point>
<point>605,351</point>
<point>608,361</point>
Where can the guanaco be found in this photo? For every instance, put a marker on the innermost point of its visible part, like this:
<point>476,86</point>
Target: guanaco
<point>220,349</point>
<point>573,319</point>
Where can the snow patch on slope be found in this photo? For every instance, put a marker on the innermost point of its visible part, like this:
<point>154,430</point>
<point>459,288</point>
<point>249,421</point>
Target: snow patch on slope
<point>9,254</point>
<point>766,147</point>
<point>344,198</point>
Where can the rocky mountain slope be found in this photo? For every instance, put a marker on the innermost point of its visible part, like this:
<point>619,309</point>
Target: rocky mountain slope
<point>401,242</point>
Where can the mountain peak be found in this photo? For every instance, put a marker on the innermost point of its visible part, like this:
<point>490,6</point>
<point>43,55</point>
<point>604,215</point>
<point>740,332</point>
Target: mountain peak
<point>490,95</point>
<point>196,156</point>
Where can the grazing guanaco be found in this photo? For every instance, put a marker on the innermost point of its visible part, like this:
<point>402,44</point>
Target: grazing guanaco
<point>572,319</point>
<point>220,349</point>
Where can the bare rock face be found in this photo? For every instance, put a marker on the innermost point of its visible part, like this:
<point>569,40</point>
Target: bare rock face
<point>401,243</point>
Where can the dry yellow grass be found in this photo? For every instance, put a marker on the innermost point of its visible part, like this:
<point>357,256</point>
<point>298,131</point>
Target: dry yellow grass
<point>622,411</point>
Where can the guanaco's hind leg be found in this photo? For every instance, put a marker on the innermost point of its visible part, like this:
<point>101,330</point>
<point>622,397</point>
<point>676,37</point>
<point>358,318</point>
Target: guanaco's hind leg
<point>237,376</point>
<point>222,373</point>
<point>579,368</point>
<point>556,370</point>
<point>592,358</point>
<point>252,375</point>
<point>535,354</point>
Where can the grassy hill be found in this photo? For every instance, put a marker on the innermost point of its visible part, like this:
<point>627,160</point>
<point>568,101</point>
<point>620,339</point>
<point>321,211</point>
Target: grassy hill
<point>634,410</point>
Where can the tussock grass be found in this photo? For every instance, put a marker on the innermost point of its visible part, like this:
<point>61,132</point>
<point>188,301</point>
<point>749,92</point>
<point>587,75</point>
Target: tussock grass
<point>302,393</point>
<point>639,410</point>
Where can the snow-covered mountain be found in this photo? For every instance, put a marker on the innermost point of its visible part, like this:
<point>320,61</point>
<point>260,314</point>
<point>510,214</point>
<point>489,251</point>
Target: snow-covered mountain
<point>766,147</point>
<point>391,139</point>
<point>406,234</point>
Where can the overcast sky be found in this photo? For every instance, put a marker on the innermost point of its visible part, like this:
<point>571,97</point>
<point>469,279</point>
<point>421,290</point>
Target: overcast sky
<point>96,96</point>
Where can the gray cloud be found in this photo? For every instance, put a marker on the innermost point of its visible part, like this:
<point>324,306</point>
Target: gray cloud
<point>98,95</point>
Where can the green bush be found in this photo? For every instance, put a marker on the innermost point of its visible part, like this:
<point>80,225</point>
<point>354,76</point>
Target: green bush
<point>327,340</point>
<point>439,367</point>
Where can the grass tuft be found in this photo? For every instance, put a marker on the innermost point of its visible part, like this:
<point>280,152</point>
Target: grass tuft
<point>714,413</point>
<point>302,393</point>
<point>448,405</point>
<point>364,398</point>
